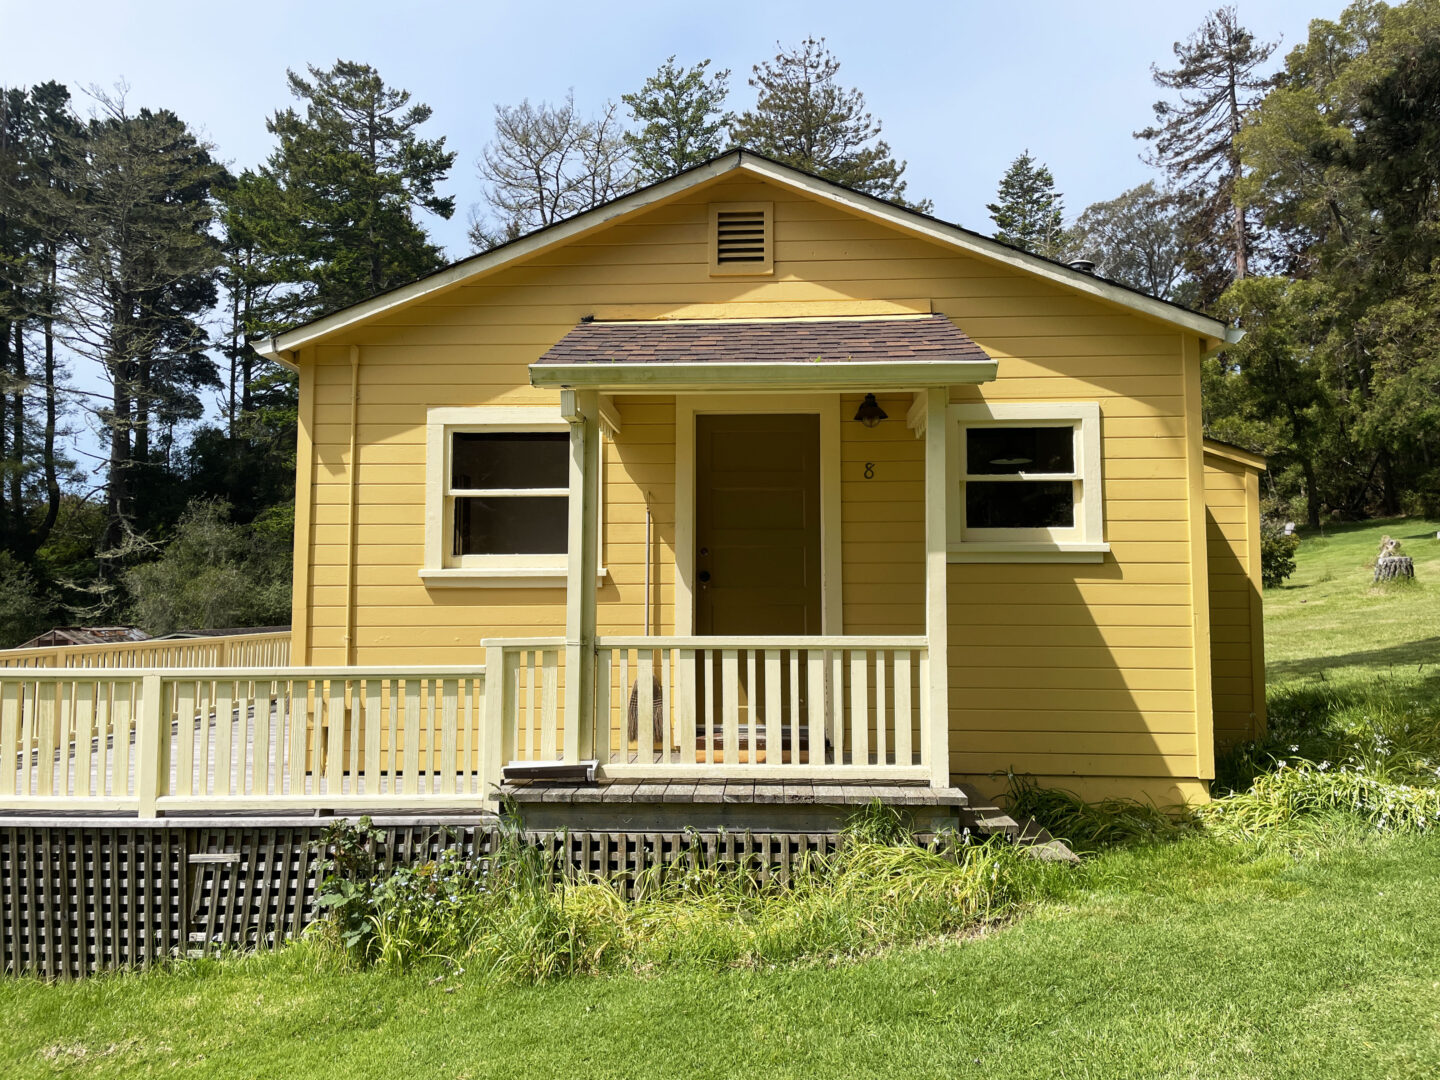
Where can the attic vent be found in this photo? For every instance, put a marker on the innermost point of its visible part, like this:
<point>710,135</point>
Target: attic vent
<point>740,238</point>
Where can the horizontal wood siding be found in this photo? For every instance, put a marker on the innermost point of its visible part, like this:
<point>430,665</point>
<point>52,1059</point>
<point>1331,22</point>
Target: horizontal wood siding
<point>1232,518</point>
<point>1101,652</point>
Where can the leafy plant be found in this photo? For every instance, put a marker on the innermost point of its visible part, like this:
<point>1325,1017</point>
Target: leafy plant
<point>1277,553</point>
<point>1090,826</point>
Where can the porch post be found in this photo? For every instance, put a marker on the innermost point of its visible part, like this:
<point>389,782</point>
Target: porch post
<point>582,409</point>
<point>937,616</point>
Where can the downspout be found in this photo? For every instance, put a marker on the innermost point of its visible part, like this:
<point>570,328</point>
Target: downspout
<point>353,477</point>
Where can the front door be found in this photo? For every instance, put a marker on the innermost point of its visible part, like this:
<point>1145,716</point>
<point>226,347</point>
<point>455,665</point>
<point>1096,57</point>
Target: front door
<point>757,524</point>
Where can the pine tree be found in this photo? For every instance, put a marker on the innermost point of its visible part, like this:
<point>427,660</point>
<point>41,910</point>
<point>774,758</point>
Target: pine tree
<point>333,208</point>
<point>683,117</point>
<point>1217,81</point>
<point>804,118</point>
<point>1030,213</point>
<point>138,281</point>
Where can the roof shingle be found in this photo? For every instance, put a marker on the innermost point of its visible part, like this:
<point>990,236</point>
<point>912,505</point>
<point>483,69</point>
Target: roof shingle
<point>856,339</point>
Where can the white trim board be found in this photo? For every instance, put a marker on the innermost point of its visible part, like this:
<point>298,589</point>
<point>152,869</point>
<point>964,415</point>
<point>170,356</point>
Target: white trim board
<point>827,406</point>
<point>281,347</point>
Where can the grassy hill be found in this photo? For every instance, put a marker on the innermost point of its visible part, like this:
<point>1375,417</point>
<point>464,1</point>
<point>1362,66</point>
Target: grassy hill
<point>1328,622</point>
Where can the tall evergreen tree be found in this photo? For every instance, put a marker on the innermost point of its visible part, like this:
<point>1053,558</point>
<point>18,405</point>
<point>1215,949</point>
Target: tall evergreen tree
<point>1029,213</point>
<point>804,118</point>
<point>138,281</point>
<point>1217,80</point>
<point>682,116</point>
<point>38,139</point>
<point>333,209</point>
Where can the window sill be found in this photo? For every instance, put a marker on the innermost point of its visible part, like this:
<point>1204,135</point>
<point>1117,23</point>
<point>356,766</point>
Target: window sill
<point>519,577</point>
<point>996,552</point>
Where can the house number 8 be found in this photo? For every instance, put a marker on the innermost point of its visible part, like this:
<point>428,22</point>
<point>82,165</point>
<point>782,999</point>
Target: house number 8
<point>869,470</point>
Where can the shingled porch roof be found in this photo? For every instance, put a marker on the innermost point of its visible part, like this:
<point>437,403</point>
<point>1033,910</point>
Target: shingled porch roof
<point>855,352</point>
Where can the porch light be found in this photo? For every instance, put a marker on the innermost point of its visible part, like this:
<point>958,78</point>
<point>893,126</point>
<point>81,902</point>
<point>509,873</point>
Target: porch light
<point>870,412</point>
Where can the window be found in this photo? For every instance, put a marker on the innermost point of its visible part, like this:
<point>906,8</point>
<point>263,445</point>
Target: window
<point>740,239</point>
<point>1028,480</point>
<point>497,496</point>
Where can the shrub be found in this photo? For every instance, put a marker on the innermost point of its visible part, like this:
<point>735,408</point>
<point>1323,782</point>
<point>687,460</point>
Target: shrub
<point>24,609</point>
<point>215,573</point>
<point>1277,553</point>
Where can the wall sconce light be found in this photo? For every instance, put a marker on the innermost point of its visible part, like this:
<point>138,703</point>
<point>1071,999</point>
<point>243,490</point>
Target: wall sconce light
<point>870,412</point>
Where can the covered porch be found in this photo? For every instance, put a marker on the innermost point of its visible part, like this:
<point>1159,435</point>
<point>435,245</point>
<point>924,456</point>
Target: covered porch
<point>760,679</point>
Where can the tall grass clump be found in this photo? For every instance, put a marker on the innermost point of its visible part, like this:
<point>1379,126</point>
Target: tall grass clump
<point>1306,791</point>
<point>514,917</point>
<point>1090,826</point>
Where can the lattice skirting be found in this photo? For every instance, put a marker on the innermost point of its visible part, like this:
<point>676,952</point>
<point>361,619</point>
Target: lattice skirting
<point>87,897</point>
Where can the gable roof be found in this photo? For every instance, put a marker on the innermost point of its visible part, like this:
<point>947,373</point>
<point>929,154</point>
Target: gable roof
<point>749,162</point>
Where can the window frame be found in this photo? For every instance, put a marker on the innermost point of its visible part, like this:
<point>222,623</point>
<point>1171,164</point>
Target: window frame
<point>441,566</point>
<point>1082,542</point>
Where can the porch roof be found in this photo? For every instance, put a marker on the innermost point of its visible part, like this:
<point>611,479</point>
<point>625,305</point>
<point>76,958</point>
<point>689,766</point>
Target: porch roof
<point>855,352</point>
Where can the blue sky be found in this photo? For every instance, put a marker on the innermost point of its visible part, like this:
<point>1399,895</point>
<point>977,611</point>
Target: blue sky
<point>961,87</point>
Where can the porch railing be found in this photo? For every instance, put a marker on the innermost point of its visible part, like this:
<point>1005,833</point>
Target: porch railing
<point>232,650</point>
<point>231,739</point>
<point>708,707</point>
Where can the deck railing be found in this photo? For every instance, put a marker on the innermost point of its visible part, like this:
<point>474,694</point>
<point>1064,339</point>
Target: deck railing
<point>230,739</point>
<point>273,738</point>
<point>232,650</point>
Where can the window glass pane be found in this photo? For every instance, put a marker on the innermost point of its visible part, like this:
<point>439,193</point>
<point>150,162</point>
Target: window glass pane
<point>510,459</point>
<point>1008,450</point>
<point>512,526</point>
<point>1026,504</point>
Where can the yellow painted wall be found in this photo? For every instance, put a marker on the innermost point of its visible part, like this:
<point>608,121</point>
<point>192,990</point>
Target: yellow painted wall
<point>1237,650</point>
<point>1068,671</point>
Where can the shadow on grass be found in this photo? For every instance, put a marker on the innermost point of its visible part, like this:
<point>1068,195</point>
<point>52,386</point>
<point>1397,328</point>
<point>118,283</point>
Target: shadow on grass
<point>1416,654</point>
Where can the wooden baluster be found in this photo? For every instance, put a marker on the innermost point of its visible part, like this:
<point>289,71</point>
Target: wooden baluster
<point>924,705</point>
<point>859,708</point>
<point>262,697</point>
<point>625,688</point>
<point>335,742</point>
<point>371,765</point>
<point>107,780</point>
<point>903,747</point>
<point>297,711</point>
<point>9,735</point>
<point>667,701</point>
<point>686,710</point>
<point>550,719</point>
<point>29,736</point>
<point>709,667</point>
<point>604,735</point>
<point>354,709</point>
<point>224,737</point>
<point>644,706</point>
<point>880,742</point>
<point>730,699</point>
<point>774,720</point>
<point>836,694</point>
<point>122,714</point>
<point>794,706</point>
<point>185,699</point>
<point>411,783</point>
<point>815,713</point>
<point>82,707</point>
<point>752,706</point>
<point>449,742</point>
<point>48,723</point>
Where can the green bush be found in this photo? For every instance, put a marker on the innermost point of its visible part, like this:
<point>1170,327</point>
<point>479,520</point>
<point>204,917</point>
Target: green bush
<point>215,573</point>
<point>1277,553</point>
<point>24,609</point>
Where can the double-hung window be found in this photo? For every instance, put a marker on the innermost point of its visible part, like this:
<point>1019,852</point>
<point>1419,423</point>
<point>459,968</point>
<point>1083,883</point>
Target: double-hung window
<point>1025,482</point>
<point>497,496</point>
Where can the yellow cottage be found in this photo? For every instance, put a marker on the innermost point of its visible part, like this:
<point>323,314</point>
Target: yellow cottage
<point>746,477</point>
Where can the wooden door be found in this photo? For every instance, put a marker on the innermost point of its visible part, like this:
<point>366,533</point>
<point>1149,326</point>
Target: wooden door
<point>757,524</point>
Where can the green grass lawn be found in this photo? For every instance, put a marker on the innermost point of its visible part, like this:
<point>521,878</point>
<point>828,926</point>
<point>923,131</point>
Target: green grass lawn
<point>1187,960</point>
<point>1313,955</point>
<point>1329,622</point>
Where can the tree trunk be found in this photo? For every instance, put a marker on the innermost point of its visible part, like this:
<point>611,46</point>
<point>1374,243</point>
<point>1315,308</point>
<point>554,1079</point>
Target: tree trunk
<point>17,435</point>
<point>1312,494</point>
<point>52,410</point>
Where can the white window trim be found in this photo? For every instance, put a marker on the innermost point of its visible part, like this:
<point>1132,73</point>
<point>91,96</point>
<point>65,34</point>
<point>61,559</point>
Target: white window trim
<point>1085,542</point>
<point>440,569</point>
